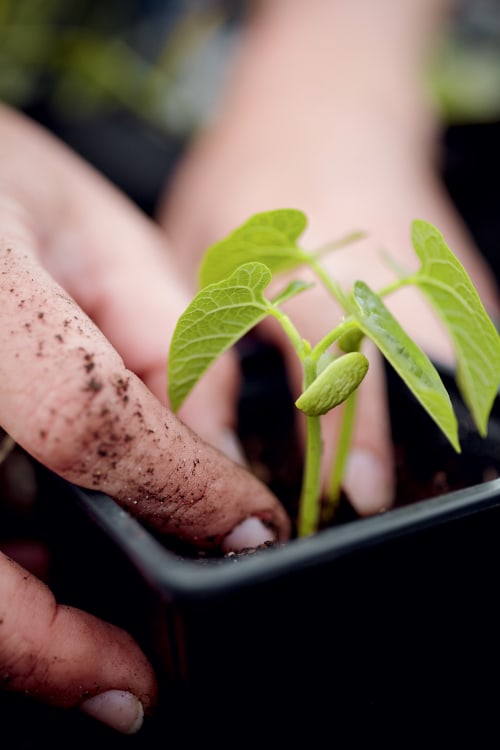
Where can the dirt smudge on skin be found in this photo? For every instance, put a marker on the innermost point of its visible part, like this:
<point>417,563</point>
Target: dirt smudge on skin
<point>121,386</point>
<point>88,362</point>
<point>94,384</point>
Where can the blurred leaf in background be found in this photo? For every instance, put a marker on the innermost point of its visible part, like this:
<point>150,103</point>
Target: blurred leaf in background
<point>161,61</point>
<point>465,72</point>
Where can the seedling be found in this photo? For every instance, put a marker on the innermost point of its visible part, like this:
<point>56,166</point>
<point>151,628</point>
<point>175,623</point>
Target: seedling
<point>234,275</point>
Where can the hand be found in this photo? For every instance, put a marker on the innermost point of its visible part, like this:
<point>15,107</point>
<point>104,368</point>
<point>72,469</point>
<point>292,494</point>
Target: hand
<point>326,112</point>
<point>88,300</point>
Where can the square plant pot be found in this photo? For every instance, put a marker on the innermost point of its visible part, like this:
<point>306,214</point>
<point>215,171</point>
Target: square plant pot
<point>396,610</point>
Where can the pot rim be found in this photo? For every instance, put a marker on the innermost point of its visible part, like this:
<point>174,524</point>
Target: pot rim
<point>174,575</point>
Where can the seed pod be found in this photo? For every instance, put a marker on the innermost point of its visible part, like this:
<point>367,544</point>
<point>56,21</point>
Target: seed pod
<point>333,385</point>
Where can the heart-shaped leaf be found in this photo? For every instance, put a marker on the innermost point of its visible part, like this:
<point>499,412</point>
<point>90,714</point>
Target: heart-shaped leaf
<point>407,358</point>
<point>443,279</point>
<point>269,237</point>
<point>217,317</point>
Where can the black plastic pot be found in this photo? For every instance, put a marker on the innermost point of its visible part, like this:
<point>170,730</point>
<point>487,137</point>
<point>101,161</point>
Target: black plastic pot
<point>396,610</point>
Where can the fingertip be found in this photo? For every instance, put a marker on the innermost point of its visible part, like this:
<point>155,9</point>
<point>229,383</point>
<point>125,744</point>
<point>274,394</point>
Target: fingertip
<point>249,534</point>
<point>60,655</point>
<point>368,483</point>
<point>118,709</point>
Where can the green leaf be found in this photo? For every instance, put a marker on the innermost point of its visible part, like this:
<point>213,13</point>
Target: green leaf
<point>269,237</point>
<point>333,385</point>
<point>443,279</point>
<point>409,361</point>
<point>288,221</point>
<point>215,320</point>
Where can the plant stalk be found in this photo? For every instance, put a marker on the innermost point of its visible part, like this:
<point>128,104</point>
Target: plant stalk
<point>310,496</point>
<point>309,504</point>
<point>338,471</point>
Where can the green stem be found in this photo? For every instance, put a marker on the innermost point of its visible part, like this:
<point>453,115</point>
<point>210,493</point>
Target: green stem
<point>347,325</point>
<point>310,496</point>
<point>301,346</point>
<point>337,244</point>
<point>309,504</point>
<point>344,444</point>
<point>335,289</point>
<point>395,285</point>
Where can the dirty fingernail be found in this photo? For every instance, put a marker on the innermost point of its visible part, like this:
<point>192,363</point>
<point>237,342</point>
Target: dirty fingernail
<point>118,709</point>
<point>367,483</point>
<point>250,533</point>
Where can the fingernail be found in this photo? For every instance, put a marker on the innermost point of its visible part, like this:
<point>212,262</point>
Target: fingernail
<point>118,709</point>
<point>250,533</point>
<point>367,483</point>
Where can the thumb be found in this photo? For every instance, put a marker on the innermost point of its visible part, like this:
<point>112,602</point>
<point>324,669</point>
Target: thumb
<point>69,658</point>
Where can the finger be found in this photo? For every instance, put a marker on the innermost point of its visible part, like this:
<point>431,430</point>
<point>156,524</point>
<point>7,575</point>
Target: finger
<point>68,399</point>
<point>68,658</point>
<point>114,262</point>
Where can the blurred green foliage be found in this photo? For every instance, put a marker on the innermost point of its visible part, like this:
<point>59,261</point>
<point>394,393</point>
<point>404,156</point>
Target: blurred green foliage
<point>465,70</point>
<point>85,57</point>
<point>465,80</point>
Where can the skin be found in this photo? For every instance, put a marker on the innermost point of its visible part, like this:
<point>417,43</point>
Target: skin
<point>60,654</point>
<point>88,299</point>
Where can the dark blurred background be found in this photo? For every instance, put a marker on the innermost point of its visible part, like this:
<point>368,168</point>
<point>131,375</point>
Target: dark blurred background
<point>124,82</point>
